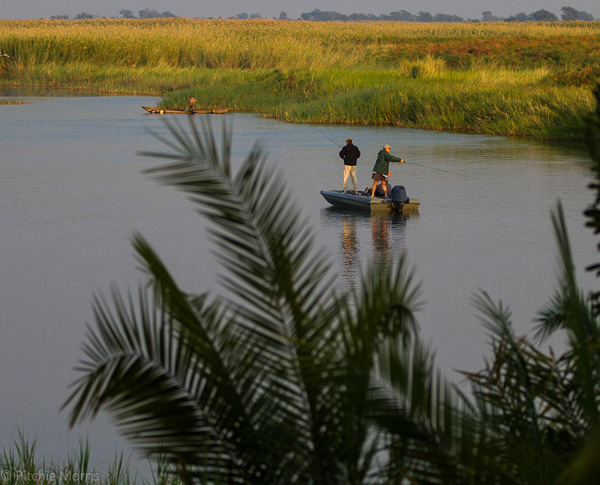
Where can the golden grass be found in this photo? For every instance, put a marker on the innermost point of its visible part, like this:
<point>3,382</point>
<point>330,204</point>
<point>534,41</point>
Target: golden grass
<point>247,44</point>
<point>505,78</point>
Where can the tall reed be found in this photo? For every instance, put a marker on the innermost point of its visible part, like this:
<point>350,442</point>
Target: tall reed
<point>530,79</point>
<point>267,44</point>
<point>21,465</point>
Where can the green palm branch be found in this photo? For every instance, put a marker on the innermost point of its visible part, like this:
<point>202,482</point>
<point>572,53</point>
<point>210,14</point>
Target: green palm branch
<point>544,408</point>
<point>285,379</point>
<point>593,212</point>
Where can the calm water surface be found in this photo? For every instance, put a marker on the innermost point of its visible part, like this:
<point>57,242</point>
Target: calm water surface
<point>72,193</point>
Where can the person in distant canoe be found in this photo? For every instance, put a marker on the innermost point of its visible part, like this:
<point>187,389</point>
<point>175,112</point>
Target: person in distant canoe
<point>381,170</point>
<point>350,154</point>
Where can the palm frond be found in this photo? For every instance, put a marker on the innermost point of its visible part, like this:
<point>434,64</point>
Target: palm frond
<point>388,300</point>
<point>259,378</point>
<point>584,467</point>
<point>592,213</point>
<point>279,282</point>
<point>163,379</point>
<point>581,325</point>
<point>262,242</point>
<point>551,318</point>
<point>251,384</point>
<point>513,378</point>
<point>430,423</point>
<point>129,372</point>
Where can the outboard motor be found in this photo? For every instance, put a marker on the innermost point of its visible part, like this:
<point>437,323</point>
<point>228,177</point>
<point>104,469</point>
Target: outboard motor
<point>399,197</point>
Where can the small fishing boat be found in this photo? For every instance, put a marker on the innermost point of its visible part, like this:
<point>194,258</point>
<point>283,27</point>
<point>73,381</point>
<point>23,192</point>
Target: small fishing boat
<point>362,201</point>
<point>166,111</point>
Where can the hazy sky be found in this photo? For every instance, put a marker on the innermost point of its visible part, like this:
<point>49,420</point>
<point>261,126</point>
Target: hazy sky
<point>468,9</point>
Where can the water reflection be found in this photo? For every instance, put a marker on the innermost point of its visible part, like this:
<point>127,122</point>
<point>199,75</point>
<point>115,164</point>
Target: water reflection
<point>360,233</point>
<point>350,251</point>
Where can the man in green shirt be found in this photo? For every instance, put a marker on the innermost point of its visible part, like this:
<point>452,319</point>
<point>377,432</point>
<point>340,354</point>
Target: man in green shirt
<point>381,170</point>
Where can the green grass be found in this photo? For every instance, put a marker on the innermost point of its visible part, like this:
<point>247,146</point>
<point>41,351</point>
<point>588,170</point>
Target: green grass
<point>20,464</point>
<point>508,79</point>
<point>505,104</point>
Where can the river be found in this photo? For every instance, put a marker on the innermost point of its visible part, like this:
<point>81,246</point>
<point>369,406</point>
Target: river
<point>72,193</point>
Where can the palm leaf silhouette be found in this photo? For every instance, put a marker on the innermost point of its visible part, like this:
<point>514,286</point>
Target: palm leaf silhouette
<point>277,382</point>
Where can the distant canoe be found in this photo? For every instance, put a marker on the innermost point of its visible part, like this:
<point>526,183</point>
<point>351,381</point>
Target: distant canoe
<point>165,111</point>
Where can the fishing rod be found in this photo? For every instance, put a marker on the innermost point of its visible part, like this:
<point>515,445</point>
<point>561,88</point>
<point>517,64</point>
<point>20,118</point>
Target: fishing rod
<point>331,139</point>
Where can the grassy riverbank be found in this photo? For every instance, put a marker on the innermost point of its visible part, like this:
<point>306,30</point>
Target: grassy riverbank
<point>531,79</point>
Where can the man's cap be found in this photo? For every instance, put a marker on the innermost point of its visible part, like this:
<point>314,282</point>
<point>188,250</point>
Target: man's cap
<point>387,146</point>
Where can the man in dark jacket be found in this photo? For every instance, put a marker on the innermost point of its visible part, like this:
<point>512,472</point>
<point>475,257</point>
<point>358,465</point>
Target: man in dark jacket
<point>350,154</point>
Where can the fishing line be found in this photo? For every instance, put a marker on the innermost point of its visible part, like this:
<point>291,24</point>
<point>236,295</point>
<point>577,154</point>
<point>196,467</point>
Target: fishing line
<point>439,169</point>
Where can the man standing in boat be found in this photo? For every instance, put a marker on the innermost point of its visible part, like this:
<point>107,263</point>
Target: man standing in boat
<point>381,170</point>
<point>350,154</point>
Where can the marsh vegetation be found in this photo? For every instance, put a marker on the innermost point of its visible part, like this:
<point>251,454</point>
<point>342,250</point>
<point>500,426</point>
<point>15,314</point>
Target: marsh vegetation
<point>531,79</point>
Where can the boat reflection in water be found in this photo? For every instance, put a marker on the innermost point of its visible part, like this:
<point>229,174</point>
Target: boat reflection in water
<point>365,237</point>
